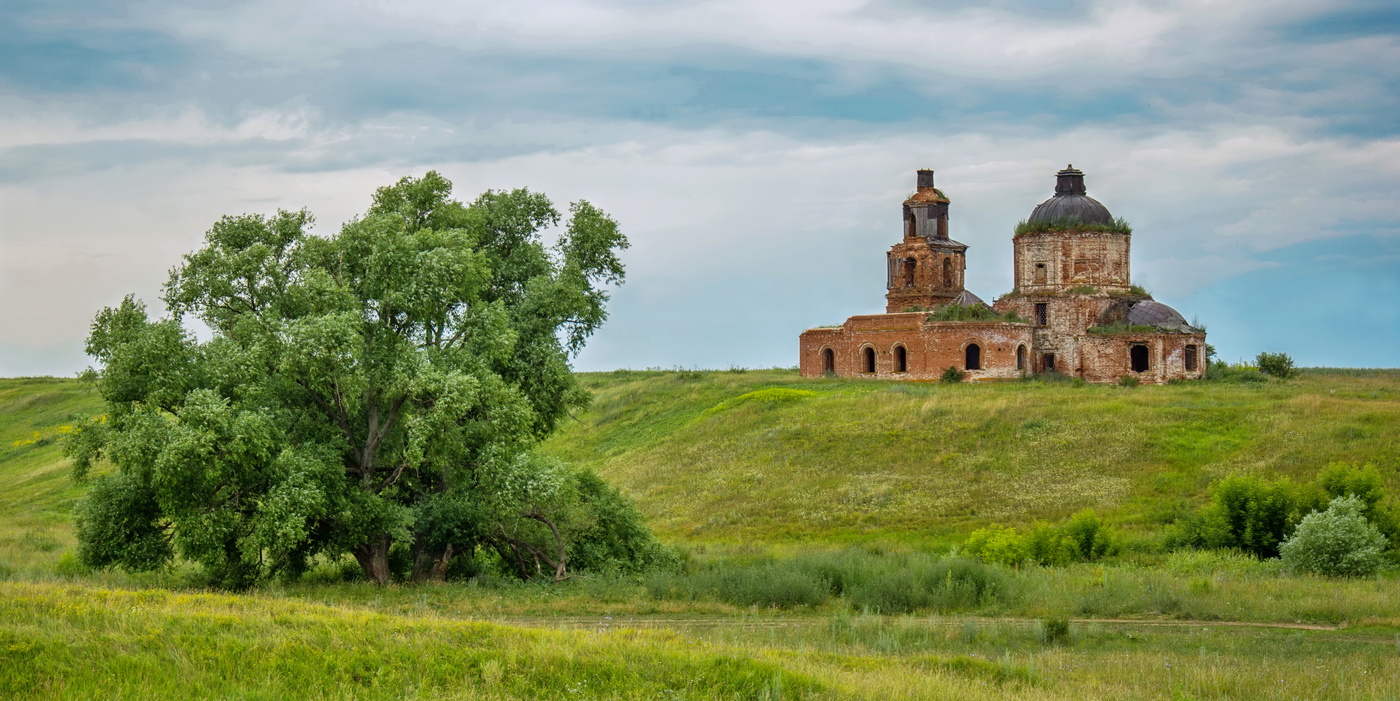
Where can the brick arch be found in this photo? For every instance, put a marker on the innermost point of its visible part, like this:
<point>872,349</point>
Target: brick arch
<point>900,354</point>
<point>868,358</point>
<point>828,356</point>
<point>974,354</point>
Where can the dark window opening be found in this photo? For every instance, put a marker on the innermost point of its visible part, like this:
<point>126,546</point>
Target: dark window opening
<point>828,362</point>
<point>1191,357</point>
<point>1138,355</point>
<point>908,223</point>
<point>947,272</point>
<point>1047,362</point>
<point>909,264</point>
<point>869,360</point>
<point>1021,358</point>
<point>1040,273</point>
<point>901,359</point>
<point>974,357</point>
<point>1042,313</point>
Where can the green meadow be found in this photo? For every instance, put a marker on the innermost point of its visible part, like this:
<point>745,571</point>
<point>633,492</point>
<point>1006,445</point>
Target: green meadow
<point>817,520</point>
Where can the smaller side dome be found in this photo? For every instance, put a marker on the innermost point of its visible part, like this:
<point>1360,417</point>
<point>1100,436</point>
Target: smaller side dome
<point>1071,202</point>
<point>1153,313</point>
<point>967,299</point>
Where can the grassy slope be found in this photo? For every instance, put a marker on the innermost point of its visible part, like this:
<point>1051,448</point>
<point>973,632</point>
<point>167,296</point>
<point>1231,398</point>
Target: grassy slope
<point>851,460</point>
<point>37,498</point>
<point>858,460</point>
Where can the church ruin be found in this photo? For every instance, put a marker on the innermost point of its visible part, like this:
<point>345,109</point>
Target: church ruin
<point>1073,309</point>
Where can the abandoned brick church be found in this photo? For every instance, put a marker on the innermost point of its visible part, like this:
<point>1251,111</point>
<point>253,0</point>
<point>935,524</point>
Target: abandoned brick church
<point>1073,309</point>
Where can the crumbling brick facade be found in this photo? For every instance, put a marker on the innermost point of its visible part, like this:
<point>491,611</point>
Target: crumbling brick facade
<point>1073,310</point>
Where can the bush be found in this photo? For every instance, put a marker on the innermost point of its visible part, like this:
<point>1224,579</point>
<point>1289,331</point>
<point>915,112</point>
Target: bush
<point>952,374</point>
<point>1081,539</point>
<point>999,545</point>
<point>1276,364</point>
<point>1246,513</point>
<point>1338,542</point>
<point>1054,630</point>
<point>1222,371</point>
<point>1128,381</point>
<point>1092,540</point>
<point>1367,484</point>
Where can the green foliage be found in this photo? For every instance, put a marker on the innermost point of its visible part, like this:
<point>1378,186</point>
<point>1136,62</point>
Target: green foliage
<point>1246,513</point>
<point>1221,371</point>
<point>1083,538</point>
<point>374,391</point>
<point>1117,226</point>
<point>952,375</point>
<point>1128,381</point>
<point>1055,630</point>
<point>612,535</point>
<point>1122,327</point>
<point>1138,290</point>
<point>973,312</point>
<point>1277,364</point>
<point>1082,290</point>
<point>998,544</point>
<point>1367,484</point>
<point>1338,542</point>
<point>1091,537</point>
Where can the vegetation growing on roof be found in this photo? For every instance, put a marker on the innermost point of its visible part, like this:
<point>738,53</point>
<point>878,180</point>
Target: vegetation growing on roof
<point>974,312</point>
<point>1125,327</point>
<point>1117,226</point>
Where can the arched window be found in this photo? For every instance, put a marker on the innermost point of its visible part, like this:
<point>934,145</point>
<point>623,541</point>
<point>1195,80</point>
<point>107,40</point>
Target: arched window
<point>909,265</point>
<point>974,357</point>
<point>901,359</point>
<point>868,355</point>
<point>1021,357</point>
<point>828,362</point>
<point>1191,357</point>
<point>947,272</point>
<point>1138,356</point>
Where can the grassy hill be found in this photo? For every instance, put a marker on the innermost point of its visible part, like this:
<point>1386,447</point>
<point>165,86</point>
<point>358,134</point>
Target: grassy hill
<point>38,495</point>
<point>767,456</point>
<point>742,466</point>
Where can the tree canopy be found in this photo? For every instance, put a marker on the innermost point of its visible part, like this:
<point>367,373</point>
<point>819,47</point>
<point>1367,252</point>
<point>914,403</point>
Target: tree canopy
<point>378,388</point>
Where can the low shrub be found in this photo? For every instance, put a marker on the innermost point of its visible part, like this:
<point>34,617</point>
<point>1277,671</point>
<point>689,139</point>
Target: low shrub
<point>1277,364</point>
<point>1081,539</point>
<point>1054,630</point>
<point>1338,542</point>
<point>952,374</point>
<point>1128,381</point>
<point>1367,484</point>
<point>1221,371</point>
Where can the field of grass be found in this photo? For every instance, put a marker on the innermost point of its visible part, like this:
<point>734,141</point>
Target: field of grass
<point>767,457</point>
<point>774,485</point>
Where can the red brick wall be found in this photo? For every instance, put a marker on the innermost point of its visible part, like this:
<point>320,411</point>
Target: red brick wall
<point>930,347</point>
<point>1072,259</point>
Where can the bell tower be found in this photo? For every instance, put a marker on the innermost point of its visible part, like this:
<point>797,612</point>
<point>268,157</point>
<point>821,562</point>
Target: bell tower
<point>925,269</point>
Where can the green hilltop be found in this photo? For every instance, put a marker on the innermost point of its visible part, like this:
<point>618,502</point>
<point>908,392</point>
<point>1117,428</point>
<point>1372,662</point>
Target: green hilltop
<point>766,456</point>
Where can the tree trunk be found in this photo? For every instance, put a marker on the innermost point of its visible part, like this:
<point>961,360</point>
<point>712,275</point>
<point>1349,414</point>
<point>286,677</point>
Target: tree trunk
<point>430,564</point>
<point>374,558</point>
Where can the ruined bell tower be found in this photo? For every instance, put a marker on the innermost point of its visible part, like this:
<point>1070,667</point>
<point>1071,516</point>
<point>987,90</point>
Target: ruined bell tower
<point>925,269</point>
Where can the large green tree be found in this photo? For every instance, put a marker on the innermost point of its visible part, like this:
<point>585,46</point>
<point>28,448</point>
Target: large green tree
<point>381,386</point>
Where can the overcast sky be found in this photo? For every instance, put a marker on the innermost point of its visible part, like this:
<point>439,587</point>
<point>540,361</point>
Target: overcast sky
<point>756,154</point>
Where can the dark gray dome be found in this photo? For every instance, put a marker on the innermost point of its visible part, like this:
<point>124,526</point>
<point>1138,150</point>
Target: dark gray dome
<point>1071,202</point>
<point>967,299</point>
<point>1151,313</point>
